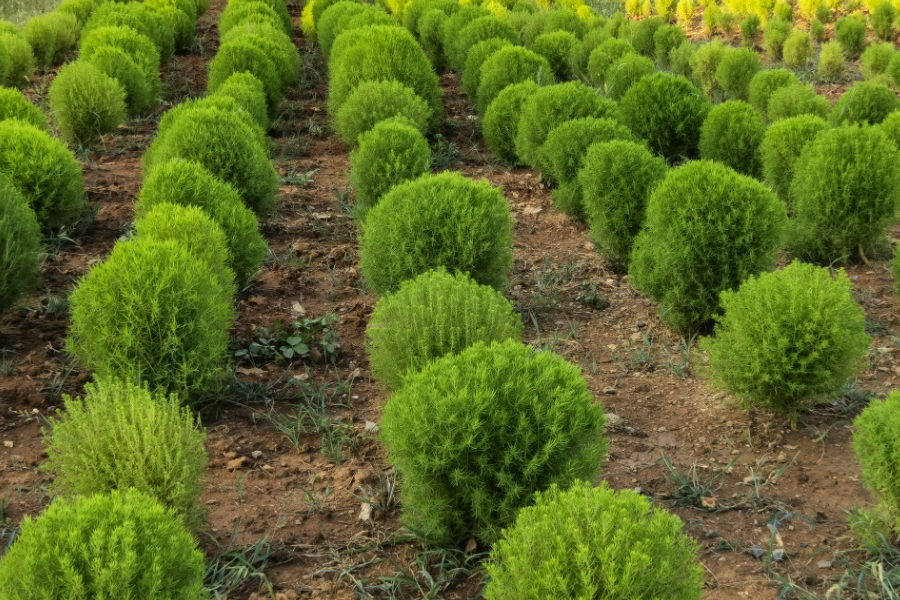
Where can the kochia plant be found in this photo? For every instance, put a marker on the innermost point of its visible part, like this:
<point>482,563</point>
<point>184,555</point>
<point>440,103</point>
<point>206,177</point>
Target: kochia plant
<point>556,46</point>
<point>86,102</point>
<point>374,101</point>
<point>14,105</point>
<point>731,134</point>
<point>118,65</point>
<point>137,16</point>
<point>20,246</point>
<point>876,445</point>
<point>478,54</point>
<point>736,70</point>
<point>240,56</point>
<point>250,94</point>
<point>500,126</point>
<point>509,66</point>
<point>781,147</point>
<point>766,83</point>
<point>866,102</point>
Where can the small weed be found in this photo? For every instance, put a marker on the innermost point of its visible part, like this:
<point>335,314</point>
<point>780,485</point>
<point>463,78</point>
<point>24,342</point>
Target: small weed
<point>58,381</point>
<point>445,153</point>
<point>383,497</point>
<point>306,339</point>
<point>299,179</point>
<point>548,282</point>
<point>875,328</point>
<point>680,368</point>
<point>316,499</point>
<point>692,488</point>
<point>590,297</point>
<point>8,365</point>
<point>235,567</point>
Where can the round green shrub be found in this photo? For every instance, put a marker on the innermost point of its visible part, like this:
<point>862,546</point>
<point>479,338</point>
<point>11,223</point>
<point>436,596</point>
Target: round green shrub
<point>20,259</point>
<point>787,339</point>
<point>81,9</point>
<point>602,58</point>
<point>783,10</point>
<point>257,11</point>
<point>153,312</point>
<point>883,18</point>
<point>14,105</point>
<point>891,127</point>
<point>500,125</point>
<point>479,30</point>
<point>458,21</point>
<point>241,56</point>
<point>431,316</point>
<point>616,180</point>
<point>796,100</point>
<point>431,33</point>
<point>893,69</point>
<point>374,101</point>
<point>215,102</point>
<point>641,35</point>
<point>558,19</point>
<point>411,15</point>
<point>380,53</point>
<point>556,46</point>
<point>275,43</point>
<point>21,60</point>
<point>478,54</point>
<point>875,445</point>
<point>731,135</point>
<point>122,436</point>
<point>846,191</point>
<point>182,27</point>
<point>4,63</point>
<point>876,58</point>
<point>578,57</point>
<point>43,170</point>
<point>775,34</point>
<point>509,66</point>
<point>705,63</point>
<point>551,106</point>
<point>139,17</point>
<point>865,102</point>
<point>437,221</point>
<point>817,30</point>
<point>51,36</point>
<point>227,147</point>
<point>392,152</point>
<point>832,65</point>
<point>476,434</point>
<point>86,102</point>
<point>187,183</point>
<point>280,8</point>
<point>591,542</point>
<point>368,18</point>
<point>707,229</point>
<point>321,6</point>
<point>136,45</point>
<point>117,64</point>
<point>798,49</point>
<point>97,546</point>
<point>850,33</point>
<point>187,7</point>
<point>668,112</point>
<point>666,39</point>
<point>681,58</point>
<point>248,91</point>
<point>625,72</point>
<point>781,147</point>
<point>567,143</point>
<point>8,27</point>
<point>766,83</point>
<point>750,27</point>
<point>339,13</point>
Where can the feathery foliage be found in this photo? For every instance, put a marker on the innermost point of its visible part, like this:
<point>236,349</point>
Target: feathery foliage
<point>20,246</point>
<point>866,102</point>
<point>731,134</point>
<point>500,126</point>
<point>14,105</point>
<point>509,66</point>
<point>875,444</point>
<point>374,101</point>
<point>781,146</point>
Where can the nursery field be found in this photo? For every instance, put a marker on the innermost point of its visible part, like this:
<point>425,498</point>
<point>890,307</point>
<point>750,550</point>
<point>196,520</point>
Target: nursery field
<point>300,499</point>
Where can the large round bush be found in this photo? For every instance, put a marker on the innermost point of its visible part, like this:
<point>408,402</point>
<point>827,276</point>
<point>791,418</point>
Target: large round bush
<point>182,26</point>
<point>374,101</point>
<point>556,46</point>
<point>795,100</point>
<point>479,30</point>
<point>14,105</point>
<point>274,43</point>
<point>186,109</point>
<point>707,229</point>
<point>118,65</point>
<point>50,36</point>
<point>875,443</point>
<point>595,543</point>
<point>625,72</point>
<point>137,46</point>
<point>280,9</point>
<point>139,17</point>
<point>437,221</point>
<point>476,434</point>
<point>240,56</point>
<point>257,12</point>
<point>765,83</point>
<point>99,546</point>
<point>668,112</point>
<point>865,102</point>
<point>500,126</point>
<point>788,338</point>
<point>21,60</point>
<point>334,16</point>
<point>731,134</point>
<point>846,191</point>
<point>736,70</point>
<point>458,21</point>
<point>123,436</point>
<point>248,91</point>
<point>86,102</point>
<point>20,259</point>
<point>81,9</point>
<point>603,56</point>
<point>781,147</point>
<point>475,59</point>
<point>431,316</point>
<point>508,66</point>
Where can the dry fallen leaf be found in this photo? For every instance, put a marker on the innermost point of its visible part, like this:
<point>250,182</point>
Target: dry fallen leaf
<point>708,502</point>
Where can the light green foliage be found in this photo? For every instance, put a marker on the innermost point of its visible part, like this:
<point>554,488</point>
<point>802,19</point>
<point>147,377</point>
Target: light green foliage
<point>43,170</point>
<point>832,65</point>
<point>665,9</point>
<point>705,63</point>
<point>668,112</point>
<point>20,247</point>
<point>477,433</point>
<point>248,91</point>
<point>553,20</point>
<point>320,6</point>
<point>139,17</point>
<point>412,14</point>
<point>795,100</point>
<point>9,27</point>
<point>893,69</point>
<point>616,23</point>
<point>86,103</point>
<point>616,180</point>
<point>136,45</point>
<point>736,70</point>
<point>102,546</point>
<point>240,56</point>
<point>280,8</point>
<point>876,58</point>
<point>479,30</point>
<point>458,21</point>
<point>594,543</point>
<point>154,313</point>
<point>508,66</point>
<point>431,316</point>
<point>625,72</point>
<point>187,183</point>
<point>781,147</point>
<point>850,32</point>
<point>431,33</point>
<point>875,443</point>
<point>783,10</point>
<point>478,54</point>
<point>766,83</point>
<point>51,36</point>
<point>707,229</point>
<point>81,9</point>
<point>775,34</point>
<point>182,26</point>
<point>500,126</point>
<point>750,27</point>
<point>215,102</point>
<point>277,45</point>
<point>817,30</point>
<point>21,60</point>
<point>437,221</point>
<point>227,147</point>
<point>809,8</point>
<point>732,134</point>
<point>787,339</point>
<point>374,101</point>
<point>122,436</point>
<point>187,7</point>
<point>14,105</point>
<point>4,63</point>
<point>602,58</point>
<point>712,18</point>
<point>891,127</point>
<point>392,152</point>
<point>641,35</point>
<point>666,39</point>
<point>865,102</point>
<point>378,53</point>
<point>798,49</point>
<point>258,11</point>
<point>556,46</point>
<point>883,18</point>
<point>578,57</point>
<point>685,11</point>
<point>846,192</point>
<point>339,14</point>
<point>681,59</point>
<point>118,65</point>
<point>551,106</point>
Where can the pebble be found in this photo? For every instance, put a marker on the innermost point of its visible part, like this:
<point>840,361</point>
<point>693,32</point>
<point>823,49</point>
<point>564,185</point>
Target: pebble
<point>238,463</point>
<point>778,555</point>
<point>613,421</point>
<point>711,534</point>
<point>756,551</point>
<point>824,564</point>
<point>371,427</point>
<point>610,391</point>
<point>256,454</point>
<point>640,324</point>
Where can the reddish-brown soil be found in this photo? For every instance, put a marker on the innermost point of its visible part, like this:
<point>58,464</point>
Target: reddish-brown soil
<point>259,480</point>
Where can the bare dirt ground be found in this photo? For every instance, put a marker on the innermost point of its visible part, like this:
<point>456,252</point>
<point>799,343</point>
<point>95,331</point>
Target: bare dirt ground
<point>298,495</point>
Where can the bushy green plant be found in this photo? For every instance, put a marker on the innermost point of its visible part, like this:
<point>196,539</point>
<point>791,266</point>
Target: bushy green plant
<point>478,54</point>
<point>392,152</point>
<point>846,191</point>
<point>43,170</point>
<point>556,46</point>
<point>738,67</point>
<point>666,39</point>
<point>414,11</point>
<point>681,59</point>
<point>509,66</point>
<point>102,546</point>
<point>370,17</point>
<point>374,101</point>
<point>796,100</point>
<point>215,102</point>
<point>865,102</point>
<point>182,26</point>
<point>711,18</point>
<point>280,8</point>
<point>875,445</point>
<point>775,34</point>
<point>431,34</point>
<point>732,134</point>
<point>817,30</point>
<point>339,14</point>
<point>14,105</point>
<point>139,17</point>
<point>86,102</point>
<point>750,27</point>
<point>240,56</point>
<point>431,316</point>
<point>876,58</point>
<point>602,58</point>
<point>707,229</point>
<point>594,543</point>
<point>850,32</point>
<point>479,30</point>
<point>4,63</point>
<point>525,418</point>
<point>893,69</point>
<point>274,43</point>
<point>891,127</point>
<point>21,60</point>
<point>787,339</point>
<point>685,11</point>
<point>81,9</point>
<point>832,65</point>
<point>766,83</point>
<point>781,147</point>
<point>188,7</point>
<point>51,36</point>
<point>458,21</point>
<point>578,57</point>
<point>248,91</point>
<point>809,8</point>
<point>437,221</point>
<point>560,19</point>
<point>122,436</point>
<point>641,35</point>
<point>883,18</point>
<point>625,72</point>
<point>616,180</point>
<point>668,112</point>
<point>500,126</point>
<point>115,63</point>
<point>226,146</point>
<point>257,11</point>
<point>154,313</point>
<point>136,45</point>
<point>705,63</point>
<point>798,49</point>
<point>188,184</point>
<point>20,250</point>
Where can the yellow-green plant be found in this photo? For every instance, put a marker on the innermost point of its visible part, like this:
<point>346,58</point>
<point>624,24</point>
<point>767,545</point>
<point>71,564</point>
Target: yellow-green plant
<point>139,17</point>
<point>500,126</point>
<point>732,134</point>
<point>14,105</point>
<point>20,259</point>
<point>865,102</point>
<point>875,444</point>
<point>781,146</point>
<point>508,66</point>
<point>374,101</point>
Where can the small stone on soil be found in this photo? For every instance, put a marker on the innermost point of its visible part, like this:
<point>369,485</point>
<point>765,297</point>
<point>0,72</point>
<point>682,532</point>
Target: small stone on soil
<point>256,454</point>
<point>611,391</point>
<point>824,564</point>
<point>756,551</point>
